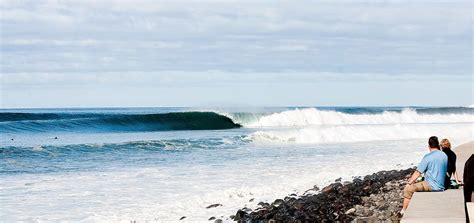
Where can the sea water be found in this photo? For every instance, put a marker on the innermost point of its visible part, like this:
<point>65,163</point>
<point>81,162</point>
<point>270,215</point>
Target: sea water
<point>162,164</point>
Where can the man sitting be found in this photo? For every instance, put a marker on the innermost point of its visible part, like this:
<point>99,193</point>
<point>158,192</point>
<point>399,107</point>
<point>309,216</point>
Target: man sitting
<point>434,166</point>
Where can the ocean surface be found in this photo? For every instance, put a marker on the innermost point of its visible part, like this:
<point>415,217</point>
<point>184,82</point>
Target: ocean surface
<point>160,164</point>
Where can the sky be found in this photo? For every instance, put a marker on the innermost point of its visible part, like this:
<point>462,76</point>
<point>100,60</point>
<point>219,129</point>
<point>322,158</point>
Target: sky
<point>235,53</point>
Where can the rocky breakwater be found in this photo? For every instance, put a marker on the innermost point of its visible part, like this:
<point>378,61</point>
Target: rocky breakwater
<point>374,198</point>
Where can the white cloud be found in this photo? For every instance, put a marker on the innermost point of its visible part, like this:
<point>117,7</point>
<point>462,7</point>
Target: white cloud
<point>205,78</point>
<point>91,42</point>
<point>180,42</point>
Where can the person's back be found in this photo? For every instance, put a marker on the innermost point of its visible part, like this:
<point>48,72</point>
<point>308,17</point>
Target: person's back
<point>446,148</point>
<point>434,166</point>
<point>451,169</point>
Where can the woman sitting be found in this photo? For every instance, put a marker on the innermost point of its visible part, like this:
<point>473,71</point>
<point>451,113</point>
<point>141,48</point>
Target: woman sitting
<point>446,148</point>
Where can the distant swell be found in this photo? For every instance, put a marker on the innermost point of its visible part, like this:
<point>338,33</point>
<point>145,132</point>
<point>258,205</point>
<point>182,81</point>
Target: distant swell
<point>47,122</point>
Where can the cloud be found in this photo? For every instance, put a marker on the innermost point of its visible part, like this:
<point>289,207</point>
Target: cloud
<point>51,42</point>
<point>205,78</point>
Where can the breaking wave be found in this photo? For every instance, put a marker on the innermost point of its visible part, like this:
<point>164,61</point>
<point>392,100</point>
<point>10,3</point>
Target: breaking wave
<point>300,125</point>
<point>312,125</point>
<point>313,116</point>
<point>361,133</point>
<point>48,122</point>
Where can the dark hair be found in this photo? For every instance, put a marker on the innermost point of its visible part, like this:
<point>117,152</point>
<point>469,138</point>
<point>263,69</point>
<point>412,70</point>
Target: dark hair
<point>433,142</point>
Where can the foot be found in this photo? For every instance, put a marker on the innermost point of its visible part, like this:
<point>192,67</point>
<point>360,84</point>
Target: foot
<point>400,215</point>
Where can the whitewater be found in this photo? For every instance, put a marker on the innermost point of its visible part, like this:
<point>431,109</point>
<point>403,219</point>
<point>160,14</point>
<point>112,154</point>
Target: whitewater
<point>162,164</point>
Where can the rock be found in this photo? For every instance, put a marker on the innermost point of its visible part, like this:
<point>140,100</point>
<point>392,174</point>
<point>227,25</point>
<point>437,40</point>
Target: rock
<point>278,202</point>
<point>251,200</point>
<point>182,218</point>
<point>331,187</point>
<point>218,221</point>
<point>289,199</point>
<point>240,215</point>
<point>246,209</point>
<point>213,206</point>
<point>373,198</point>
<point>366,220</point>
<point>350,211</point>
<point>316,188</point>
<point>298,204</point>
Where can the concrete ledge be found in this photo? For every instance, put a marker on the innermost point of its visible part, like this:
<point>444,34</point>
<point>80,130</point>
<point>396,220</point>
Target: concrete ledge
<point>470,211</point>
<point>447,206</point>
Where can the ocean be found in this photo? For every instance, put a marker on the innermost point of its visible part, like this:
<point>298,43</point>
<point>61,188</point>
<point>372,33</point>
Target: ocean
<point>162,164</point>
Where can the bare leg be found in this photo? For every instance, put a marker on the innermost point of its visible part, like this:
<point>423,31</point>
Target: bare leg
<point>406,201</point>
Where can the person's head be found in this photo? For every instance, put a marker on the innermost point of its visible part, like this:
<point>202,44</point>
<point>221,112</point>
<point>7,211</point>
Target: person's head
<point>433,142</point>
<point>445,144</point>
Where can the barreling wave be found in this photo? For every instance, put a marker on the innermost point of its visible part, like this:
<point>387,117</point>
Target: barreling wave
<point>313,116</point>
<point>47,122</point>
<point>208,120</point>
<point>361,133</point>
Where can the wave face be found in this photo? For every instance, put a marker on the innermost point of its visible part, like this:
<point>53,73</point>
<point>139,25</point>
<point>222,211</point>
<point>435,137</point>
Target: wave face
<point>53,122</point>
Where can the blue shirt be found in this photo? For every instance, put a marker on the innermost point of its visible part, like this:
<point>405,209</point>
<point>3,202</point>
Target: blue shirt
<point>434,165</point>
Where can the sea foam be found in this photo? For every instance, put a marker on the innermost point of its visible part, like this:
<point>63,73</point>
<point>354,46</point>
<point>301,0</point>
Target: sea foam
<point>313,116</point>
<point>316,126</point>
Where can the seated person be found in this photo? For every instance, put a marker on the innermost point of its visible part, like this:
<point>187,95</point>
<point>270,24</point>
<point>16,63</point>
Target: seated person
<point>446,148</point>
<point>434,166</point>
<point>468,183</point>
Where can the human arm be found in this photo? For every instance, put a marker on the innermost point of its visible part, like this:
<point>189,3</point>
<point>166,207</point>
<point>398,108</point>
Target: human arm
<point>421,168</point>
<point>414,176</point>
<point>457,178</point>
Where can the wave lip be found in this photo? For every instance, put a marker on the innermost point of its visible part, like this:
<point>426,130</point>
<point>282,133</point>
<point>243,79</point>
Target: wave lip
<point>30,122</point>
<point>313,116</point>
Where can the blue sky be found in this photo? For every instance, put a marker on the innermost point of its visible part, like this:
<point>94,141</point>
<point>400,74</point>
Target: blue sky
<point>229,53</point>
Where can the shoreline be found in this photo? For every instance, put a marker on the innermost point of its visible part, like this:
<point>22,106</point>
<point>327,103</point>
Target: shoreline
<point>373,198</point>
